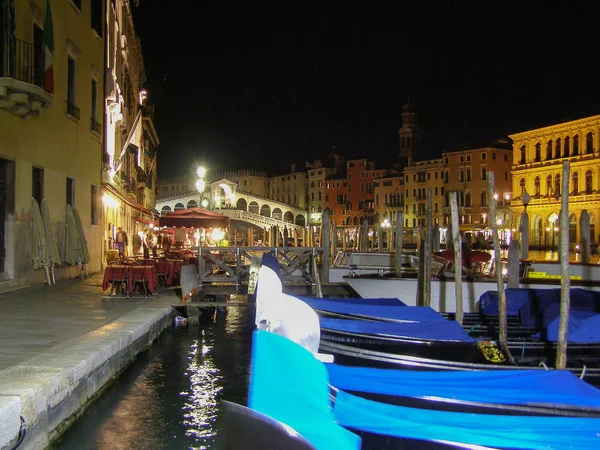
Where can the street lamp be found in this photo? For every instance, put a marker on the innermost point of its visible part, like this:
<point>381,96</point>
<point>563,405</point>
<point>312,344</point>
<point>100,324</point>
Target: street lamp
<point>201,185</point>
<point>554,230</point>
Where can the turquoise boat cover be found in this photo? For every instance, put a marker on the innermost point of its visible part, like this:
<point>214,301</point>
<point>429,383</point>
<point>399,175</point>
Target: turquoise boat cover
<point>506,387</point>
<point>290,385</point>
<point>522,432</point>
<point>408,313</point>
<point>433,330</point>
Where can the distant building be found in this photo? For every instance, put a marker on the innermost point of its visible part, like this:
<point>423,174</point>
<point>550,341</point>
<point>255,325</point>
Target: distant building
<point>410,135</point>
<point>537,167</point>
<point>129,171</point>
<point>420,177</point>
<point>389,198</point>
<point>51,125</point>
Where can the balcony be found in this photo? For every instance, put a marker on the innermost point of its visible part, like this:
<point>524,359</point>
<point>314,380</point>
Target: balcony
<point>73,110</point>
<point>22,79</point>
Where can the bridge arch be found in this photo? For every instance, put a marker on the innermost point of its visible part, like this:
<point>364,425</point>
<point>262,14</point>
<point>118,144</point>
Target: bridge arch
<point>300,220</point>
<point>166,209</point>
<point>254,208</point>
<point>277,214</point>
<point>242,204</point>
<point>192,204</point>
<point>288,217</point>
<point>179,206</point>
<point>265,210</point>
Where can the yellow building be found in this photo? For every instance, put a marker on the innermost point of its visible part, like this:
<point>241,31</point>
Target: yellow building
<point>537,167</point>
<point>129,171</point>
<point>419,177</point>
<point>290,188</point>
<point>50,128</point>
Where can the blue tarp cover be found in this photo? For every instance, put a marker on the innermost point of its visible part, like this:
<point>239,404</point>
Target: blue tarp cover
<point>514,387</point>
<point>583,328</point>
<point>432,330</point>
<point>515,298</point>
<point>290,385</point>
<point>474,429</point>
<point>394,313</point>
<point>357,301</point>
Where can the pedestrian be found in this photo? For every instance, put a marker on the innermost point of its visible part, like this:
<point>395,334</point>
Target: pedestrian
<point>121,242</point>
<point>137,244</point>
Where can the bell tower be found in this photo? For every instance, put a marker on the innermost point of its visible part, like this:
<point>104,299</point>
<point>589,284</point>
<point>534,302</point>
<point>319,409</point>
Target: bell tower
<point>410,134</point>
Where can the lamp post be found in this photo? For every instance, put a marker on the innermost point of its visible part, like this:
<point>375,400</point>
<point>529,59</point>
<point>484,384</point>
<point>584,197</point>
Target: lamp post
<point>201,185</point>
<point>525,198</point>
<point>384,225</point>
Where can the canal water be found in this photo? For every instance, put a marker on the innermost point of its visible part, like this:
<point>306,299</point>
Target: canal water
<point>169,397</point>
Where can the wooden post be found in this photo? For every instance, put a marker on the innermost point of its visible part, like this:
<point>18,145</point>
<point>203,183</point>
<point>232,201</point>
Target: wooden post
<point>428,247</point>
<point>364,235</point>
<point>565,299</point>
<point>250,237</point>
<point>436,238</point>
<point>422,242</point>
<point>324,243</point>
<point>398,254</point>
<point>334,243</point>
<point>584,240</point>
<point>503,323</point>
<point>455,239</point>
<point>295,237</point>
<point>449,235</point>
<point>379,238</point>
<point>513,264</point>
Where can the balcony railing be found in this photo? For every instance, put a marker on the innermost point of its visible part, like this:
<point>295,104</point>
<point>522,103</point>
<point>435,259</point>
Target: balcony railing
<point>21,62</point>
<point>73,110</point>
<point>95,126</point>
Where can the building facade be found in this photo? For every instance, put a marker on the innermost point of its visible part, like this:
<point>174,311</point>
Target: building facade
<point>51,85</point>
<point>537,168</point>
<point>418,178</point>
<point>131,142</point>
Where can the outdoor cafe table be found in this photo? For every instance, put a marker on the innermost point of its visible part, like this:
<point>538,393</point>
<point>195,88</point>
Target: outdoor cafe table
<point>114,273</point>
<point>130,274</point>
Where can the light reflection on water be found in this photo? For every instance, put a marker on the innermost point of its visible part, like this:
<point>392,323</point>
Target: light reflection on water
<point>169,398</point>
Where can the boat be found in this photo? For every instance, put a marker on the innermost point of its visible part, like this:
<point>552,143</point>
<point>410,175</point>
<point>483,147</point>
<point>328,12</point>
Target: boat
<point>333,406</point>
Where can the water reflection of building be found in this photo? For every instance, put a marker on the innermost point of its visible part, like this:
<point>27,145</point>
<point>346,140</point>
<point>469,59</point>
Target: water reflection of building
<point>537,167</point>
<point>50,127</point>
<point>129,175</point>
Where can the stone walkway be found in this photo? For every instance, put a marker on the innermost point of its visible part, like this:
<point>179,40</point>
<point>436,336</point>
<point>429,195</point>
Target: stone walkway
<point>53,339</point>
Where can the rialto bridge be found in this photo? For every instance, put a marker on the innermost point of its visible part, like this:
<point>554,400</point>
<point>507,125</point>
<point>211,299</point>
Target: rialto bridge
<point>224,197</point>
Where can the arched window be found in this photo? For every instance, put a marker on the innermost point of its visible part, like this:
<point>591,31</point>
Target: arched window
<point>567,147</point>
<point>576,145</point>
<point>523,154</point>
<point>557,185</point>
<point>522,184</point>
<point>549,185</point>
<point>575,183</point>
<point>557,148</point>
<point>537,187</point>
<point>483,198</point>
<point>312,184</point>
<point>549,150</point>
<point>589,142</point>
<point>468,200</point>
<point>538,152</point>
<point>588,182</point>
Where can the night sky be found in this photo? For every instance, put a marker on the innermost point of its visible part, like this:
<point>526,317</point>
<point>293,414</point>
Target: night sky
<point>263,88</point>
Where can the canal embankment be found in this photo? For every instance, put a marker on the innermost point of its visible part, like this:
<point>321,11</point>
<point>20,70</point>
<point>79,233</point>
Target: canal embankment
<point>60,345</point>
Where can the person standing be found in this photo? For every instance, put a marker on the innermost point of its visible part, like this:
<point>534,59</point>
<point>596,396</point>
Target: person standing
<point>121,242</point>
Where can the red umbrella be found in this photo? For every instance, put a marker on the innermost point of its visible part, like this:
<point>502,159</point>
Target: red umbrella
<point>468,256</point>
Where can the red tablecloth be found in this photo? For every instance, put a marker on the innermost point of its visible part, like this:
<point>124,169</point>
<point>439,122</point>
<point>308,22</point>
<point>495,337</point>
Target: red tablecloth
<point>145,273</point>
<point>173,270</point>
<point>114,274</point>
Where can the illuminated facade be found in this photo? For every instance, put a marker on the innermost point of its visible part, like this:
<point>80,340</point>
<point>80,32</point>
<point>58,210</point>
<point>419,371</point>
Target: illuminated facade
<point>290,188</point>
<point>389,198</point>
<point>50,128</point>
<point>419,177</point>
<point>129,170</point>
<point>537,167</point>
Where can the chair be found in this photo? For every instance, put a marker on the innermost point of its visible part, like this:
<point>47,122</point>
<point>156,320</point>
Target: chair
<point>138,276</point>
<point>118,278</point>
<point>161,271</point>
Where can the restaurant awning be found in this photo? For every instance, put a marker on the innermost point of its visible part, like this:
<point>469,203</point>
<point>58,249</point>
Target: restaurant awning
<point>194,218</point>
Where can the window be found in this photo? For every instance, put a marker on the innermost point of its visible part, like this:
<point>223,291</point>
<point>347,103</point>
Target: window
<point>468,174</point>
<point>538,152</point>
<point>549,150</point>
<point>537,187</point>
<point>95,125</point>
<point>96,16</point>
<point>494,156</point>
<point>462,159</point>
<point>483,156</point>
<point>575,183</point>
<point>95,203</point>
<point>505,157</point>
<point>567,147</point>
<point>483,173</point>
<point>72,109</point>
<point>588,182</point>
<point>506,175</point>
<point>483,198</point>
<point>523,155</point>
<point>468,158</point>
<point>435,175</point>
<point>557,185</point>
<point>38,57</point>
<point>576,145</point>
<point>37,184</point>
<point>461,176</point>
<point>468,200</point>
<point>70,191</point>
<point>589,142</point>
<point>549,185</point>
<point>557,148</point>
<point>522,184</point>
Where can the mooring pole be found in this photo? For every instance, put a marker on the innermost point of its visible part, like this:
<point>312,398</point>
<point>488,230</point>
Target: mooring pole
<point>457,258</point>
<point>565,299</point>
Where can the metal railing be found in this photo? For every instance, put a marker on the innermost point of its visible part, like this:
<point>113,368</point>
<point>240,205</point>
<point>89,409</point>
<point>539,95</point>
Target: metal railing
<point>19,62</point>
<point>73,110</point>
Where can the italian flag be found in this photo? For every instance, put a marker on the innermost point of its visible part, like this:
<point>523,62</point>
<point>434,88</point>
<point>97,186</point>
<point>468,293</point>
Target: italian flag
<point>49,50</point>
